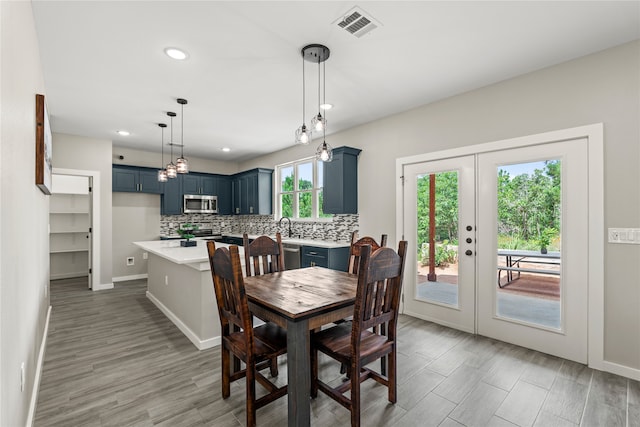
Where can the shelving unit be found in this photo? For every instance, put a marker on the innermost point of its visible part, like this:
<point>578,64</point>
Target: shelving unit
<point>69,221</point>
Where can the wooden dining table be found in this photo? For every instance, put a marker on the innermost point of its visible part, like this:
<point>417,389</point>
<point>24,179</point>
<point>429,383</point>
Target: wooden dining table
<point>301,300</point>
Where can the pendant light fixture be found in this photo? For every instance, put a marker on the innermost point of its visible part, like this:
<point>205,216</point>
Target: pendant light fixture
<point>303,134</point>
<point>318,53</point>
<point>318,123</point>
<point>171,167</point>
<point>162,173</point>
<point>182,165</point>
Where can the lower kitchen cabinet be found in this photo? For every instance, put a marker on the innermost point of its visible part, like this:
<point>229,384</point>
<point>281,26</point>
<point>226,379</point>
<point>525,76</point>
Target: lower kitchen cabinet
<point>334,258</point>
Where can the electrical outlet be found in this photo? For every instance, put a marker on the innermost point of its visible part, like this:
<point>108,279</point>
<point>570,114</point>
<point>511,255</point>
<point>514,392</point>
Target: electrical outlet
<point>130,260</point>
<point>22,376</point>
<point>166,280</point>
<point>145,255</point>
<point>614,235</point>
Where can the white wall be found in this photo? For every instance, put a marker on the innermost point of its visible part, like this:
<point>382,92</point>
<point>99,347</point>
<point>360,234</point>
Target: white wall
<point>77,152</point>
<point>154,160</point>
<point>24,214</point>
<point>604,87</point>
<point>136,217</point>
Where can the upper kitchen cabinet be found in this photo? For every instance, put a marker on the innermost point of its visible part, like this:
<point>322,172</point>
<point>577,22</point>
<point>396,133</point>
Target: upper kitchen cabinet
<point>199,183</point>
<point>224,195</point>
<point>340,192</point>
<point>171,203</point>
<point>252,192</point>
<point>134,179</point>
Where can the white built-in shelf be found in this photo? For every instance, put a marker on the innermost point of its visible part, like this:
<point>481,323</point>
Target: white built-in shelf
<point>79,211</point>
<point>69,230</point>
<point>66,251</point>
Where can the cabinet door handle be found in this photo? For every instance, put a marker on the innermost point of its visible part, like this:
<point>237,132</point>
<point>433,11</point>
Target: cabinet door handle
<point>313,253</point>
<point>313,264</point>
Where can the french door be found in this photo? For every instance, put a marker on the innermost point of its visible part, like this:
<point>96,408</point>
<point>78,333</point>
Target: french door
<point>477,225</point>
<point>527,297</point>
<point>439,216</point>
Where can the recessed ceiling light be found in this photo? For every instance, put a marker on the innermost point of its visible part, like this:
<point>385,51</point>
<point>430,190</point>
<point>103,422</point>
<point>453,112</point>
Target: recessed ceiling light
<point>326,106</point>
<point>226,149</point>
<point>175,53</point>
<point>123,133</point>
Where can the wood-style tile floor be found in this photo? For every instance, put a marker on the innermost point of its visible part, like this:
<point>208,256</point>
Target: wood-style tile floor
<point>113,359</point>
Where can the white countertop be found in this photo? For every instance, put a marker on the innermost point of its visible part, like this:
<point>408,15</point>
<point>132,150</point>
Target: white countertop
<point>172,251</point>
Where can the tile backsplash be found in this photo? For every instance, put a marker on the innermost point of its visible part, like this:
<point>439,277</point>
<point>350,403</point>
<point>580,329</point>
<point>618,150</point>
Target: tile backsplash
<point>337,230</point>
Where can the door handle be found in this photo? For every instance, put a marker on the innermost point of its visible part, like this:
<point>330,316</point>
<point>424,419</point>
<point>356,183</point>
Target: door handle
<point>468,252</point>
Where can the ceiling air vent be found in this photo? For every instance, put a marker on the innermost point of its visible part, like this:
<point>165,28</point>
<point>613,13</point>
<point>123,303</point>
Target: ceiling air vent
<point>357,22</point>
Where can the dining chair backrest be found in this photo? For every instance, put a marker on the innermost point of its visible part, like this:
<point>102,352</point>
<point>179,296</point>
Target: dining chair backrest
<point>228,284</point>
<point>356,247</point>
<point>378,293</point>
<point>263,255</point>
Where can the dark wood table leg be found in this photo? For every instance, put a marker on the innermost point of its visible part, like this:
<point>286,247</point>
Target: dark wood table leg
<point>298,373</point>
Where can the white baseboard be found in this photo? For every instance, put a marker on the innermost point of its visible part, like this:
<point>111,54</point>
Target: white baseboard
<point>56,276</point>
<point>622,370</point>
<point>102,286</point>
<point>200,344</point>
<point>39,364</point>
<point>131,277</point>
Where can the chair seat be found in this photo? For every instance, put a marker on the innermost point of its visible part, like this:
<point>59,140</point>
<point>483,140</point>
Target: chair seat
<point>269,340</point>
<point>337,341</point>
<point>272,335</point>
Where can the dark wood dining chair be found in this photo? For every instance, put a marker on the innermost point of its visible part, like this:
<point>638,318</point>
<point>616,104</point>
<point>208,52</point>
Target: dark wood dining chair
<point>353,343</point>
<point>356,246</point>
<point>256,347</point>
<point>264,255</point>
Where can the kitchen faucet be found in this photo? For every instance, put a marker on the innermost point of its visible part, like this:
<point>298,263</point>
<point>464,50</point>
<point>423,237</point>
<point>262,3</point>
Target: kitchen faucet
<point>280,223</point>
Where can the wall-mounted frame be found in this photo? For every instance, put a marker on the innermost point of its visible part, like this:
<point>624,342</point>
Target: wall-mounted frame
<point>43,146</point>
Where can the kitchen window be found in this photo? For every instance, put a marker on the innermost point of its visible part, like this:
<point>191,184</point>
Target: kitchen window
<point>299,189</point>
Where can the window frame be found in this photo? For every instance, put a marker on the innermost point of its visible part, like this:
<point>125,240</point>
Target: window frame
<point>315,190</point>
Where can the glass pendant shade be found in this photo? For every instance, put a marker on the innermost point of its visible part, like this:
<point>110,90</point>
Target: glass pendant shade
<point>162,175</point>
<point>182,165</point>
<point>324,152</point>
<point>303,135</point>
<point>172,171</point>
<point>318,123</point>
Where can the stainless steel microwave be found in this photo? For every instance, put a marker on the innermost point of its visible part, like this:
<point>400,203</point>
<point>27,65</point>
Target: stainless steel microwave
<point>197,203</point>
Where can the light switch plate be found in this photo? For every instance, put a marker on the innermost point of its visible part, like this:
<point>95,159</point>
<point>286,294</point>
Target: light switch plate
<point>630,236</point>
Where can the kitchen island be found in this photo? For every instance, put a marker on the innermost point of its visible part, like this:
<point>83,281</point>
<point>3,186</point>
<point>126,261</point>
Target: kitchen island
<point>179,283</point>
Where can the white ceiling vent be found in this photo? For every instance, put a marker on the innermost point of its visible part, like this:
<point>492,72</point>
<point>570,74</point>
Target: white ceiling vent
<point>357,22</point>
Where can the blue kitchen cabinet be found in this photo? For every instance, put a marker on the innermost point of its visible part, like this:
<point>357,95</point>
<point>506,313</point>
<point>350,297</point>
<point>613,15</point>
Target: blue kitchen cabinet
<point>340,191</point>
<point>134,179</point>
<point>171,201</point>
<point>334,258</point>
<point>252,192</point>
<point>199,183</point>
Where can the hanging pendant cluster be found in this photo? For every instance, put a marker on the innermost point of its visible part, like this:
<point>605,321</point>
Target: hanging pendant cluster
<point>315,53</point>
<point>171,170</point>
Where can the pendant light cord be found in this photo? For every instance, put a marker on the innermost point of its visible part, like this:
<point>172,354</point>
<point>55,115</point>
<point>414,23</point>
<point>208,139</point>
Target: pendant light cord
<point>318,84</point>
<point>182,131</point>
<point>171,142</point>
<point>162,145</point>
<point>304,100</point>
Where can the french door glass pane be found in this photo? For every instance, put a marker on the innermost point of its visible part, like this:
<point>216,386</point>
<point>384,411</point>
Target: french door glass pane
<point>437,228</point>
<point>528,285</point>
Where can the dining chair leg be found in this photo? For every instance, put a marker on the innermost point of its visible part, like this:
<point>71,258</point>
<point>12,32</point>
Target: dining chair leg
<point>392,378</point>
<point>273,368</point>
<point>251,397</point>
<point>355,395</point>
<point>226,383</point>
<point>313,358</point>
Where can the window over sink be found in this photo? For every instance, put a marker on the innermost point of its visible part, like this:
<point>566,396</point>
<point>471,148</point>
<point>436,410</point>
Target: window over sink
<point>299,189</point>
